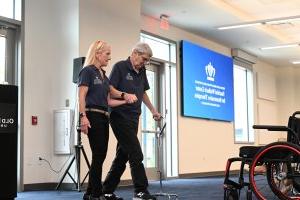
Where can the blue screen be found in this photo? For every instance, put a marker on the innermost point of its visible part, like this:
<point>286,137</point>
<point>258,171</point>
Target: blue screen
<point>207,83</point>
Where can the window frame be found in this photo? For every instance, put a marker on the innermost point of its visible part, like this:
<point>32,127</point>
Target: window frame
<point>249,82</point>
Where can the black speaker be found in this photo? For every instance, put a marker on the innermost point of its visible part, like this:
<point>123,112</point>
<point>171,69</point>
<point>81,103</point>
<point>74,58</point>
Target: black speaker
<point>9,140</point>
<point>77,66</point>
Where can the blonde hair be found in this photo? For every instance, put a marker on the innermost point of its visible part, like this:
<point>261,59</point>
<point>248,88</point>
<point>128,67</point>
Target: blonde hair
<point>94,48</point>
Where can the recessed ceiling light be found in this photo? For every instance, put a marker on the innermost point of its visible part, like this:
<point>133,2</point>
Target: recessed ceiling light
<point>260,22</point>
<point>280,46</point>
<point>238,26</point>
<point>296,62</point>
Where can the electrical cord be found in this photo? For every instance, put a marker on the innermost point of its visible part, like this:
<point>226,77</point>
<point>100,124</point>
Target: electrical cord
<point>51,168</point>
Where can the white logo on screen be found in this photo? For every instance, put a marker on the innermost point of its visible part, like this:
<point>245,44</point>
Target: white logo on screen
<point>210,72</point>
<point>4,122</point>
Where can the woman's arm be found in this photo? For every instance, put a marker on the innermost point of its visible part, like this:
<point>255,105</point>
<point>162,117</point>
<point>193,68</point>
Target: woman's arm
<point>114,93</point>
<point>84,122</point>
<point>114,102</point>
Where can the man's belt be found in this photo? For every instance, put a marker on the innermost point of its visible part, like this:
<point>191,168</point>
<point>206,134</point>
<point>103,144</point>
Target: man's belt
<point>97,110</point>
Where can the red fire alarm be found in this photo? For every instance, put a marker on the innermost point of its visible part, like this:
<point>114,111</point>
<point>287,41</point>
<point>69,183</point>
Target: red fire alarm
<point>164,22</point>
<point>34,120</point>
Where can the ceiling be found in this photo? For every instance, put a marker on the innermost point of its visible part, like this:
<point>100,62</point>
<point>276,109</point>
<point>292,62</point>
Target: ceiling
<point>202,17</point>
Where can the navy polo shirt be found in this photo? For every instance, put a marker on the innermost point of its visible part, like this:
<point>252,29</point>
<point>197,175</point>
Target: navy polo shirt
<point>124,78</point>
<point>98,87</point>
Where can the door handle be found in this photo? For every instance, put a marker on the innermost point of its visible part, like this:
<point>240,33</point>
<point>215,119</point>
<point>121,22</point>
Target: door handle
<point>150,131</point>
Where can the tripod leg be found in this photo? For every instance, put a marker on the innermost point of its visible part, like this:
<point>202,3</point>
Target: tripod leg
<point>85,178</point>
<point>85,157</point>
<point>72,178</point>
<point>77,154</point>
<point>65,173</point>
<point>87,162</point>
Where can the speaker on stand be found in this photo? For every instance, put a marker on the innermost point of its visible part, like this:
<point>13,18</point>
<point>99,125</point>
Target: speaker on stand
<point>77,66</point>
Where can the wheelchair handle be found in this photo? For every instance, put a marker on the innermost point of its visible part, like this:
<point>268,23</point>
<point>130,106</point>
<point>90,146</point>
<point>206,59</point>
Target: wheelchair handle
<point>271,128</point>
<point>296,113</point>
<point>277,128</point>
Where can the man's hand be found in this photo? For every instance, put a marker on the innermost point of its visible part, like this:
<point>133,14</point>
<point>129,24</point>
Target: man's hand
<point>130,98</point>
<point>84,125</point>
<point>157,116</point>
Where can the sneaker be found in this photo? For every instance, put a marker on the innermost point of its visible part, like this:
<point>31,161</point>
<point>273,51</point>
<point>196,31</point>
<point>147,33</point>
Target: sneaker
<point>143,196</point>
<point>112,196</point>
<point>96,198</point>
<point>86,196</point>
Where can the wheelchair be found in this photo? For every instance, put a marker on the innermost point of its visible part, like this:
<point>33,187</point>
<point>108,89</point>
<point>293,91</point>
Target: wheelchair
<point>280,161</point>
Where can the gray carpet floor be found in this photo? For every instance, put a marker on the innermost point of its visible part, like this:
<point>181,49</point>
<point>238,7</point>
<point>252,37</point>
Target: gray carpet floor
<point>189,189</point>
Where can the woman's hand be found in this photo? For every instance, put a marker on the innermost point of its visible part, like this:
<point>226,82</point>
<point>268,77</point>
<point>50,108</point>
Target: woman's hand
<point>84,124</point>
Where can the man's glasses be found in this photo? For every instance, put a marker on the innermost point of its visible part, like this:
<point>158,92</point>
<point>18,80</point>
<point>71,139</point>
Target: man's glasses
<point>146,60</point>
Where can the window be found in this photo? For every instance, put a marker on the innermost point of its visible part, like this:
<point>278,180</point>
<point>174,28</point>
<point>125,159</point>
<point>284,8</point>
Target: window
<point>11,9</point>
<point>243,104</point>
<point>161,49</point>
<point>2,59</point>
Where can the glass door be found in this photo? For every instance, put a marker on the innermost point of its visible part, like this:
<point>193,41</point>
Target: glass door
<point>149,125</point>
<point>7,55</point>
<point>2,58</point>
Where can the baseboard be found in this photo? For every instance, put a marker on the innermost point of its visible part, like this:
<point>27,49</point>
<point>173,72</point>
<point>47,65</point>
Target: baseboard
<point>207,174</point>
<point>51,186</point>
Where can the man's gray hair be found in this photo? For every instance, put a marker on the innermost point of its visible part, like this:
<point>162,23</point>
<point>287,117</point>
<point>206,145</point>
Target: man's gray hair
<point>143,48</point>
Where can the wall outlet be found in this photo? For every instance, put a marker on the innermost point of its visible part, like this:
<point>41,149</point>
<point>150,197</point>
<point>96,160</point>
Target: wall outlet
<point>67,102</point>
<point>39,161</point>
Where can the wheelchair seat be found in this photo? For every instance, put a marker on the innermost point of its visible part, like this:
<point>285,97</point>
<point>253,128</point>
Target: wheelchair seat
<point>249,151</point>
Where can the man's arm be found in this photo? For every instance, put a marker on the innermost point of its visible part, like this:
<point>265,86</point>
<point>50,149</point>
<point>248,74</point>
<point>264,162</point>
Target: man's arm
<point>129,98</point>
<point>147,102</point>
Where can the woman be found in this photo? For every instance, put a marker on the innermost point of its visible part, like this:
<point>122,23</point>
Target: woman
<point>94,99</point>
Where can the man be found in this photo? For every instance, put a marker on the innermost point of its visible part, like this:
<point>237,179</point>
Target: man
<point>130,76</point>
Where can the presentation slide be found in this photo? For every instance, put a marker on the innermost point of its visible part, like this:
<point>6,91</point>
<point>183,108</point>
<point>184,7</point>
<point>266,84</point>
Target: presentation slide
<point>207,83</point>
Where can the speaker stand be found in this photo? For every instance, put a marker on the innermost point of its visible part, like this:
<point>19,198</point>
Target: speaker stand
<point>76,157</point>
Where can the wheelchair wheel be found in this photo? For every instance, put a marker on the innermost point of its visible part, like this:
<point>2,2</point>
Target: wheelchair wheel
<point>280,159</point>
<point>277,176</point>
<point>231,194</point>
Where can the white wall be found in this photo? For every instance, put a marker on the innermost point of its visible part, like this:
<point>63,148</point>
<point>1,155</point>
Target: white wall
<point>266,101</point>
<point>51,43</point>
<point>289,87</point>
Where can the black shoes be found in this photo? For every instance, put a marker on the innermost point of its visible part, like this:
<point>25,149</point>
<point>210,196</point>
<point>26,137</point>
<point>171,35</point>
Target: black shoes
<point>143,196</point>
<point>90,197</point>
<point>86,196</point>
<point>112,197</point>
<point>97,198</point>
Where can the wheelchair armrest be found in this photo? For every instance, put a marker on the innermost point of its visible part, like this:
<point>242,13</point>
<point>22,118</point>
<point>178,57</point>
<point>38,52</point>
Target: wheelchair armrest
<point>271,128</point>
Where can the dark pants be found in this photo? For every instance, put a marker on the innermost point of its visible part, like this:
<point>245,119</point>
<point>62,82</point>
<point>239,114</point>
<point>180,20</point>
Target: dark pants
<point>128,149</point>
<point>98,136</point>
